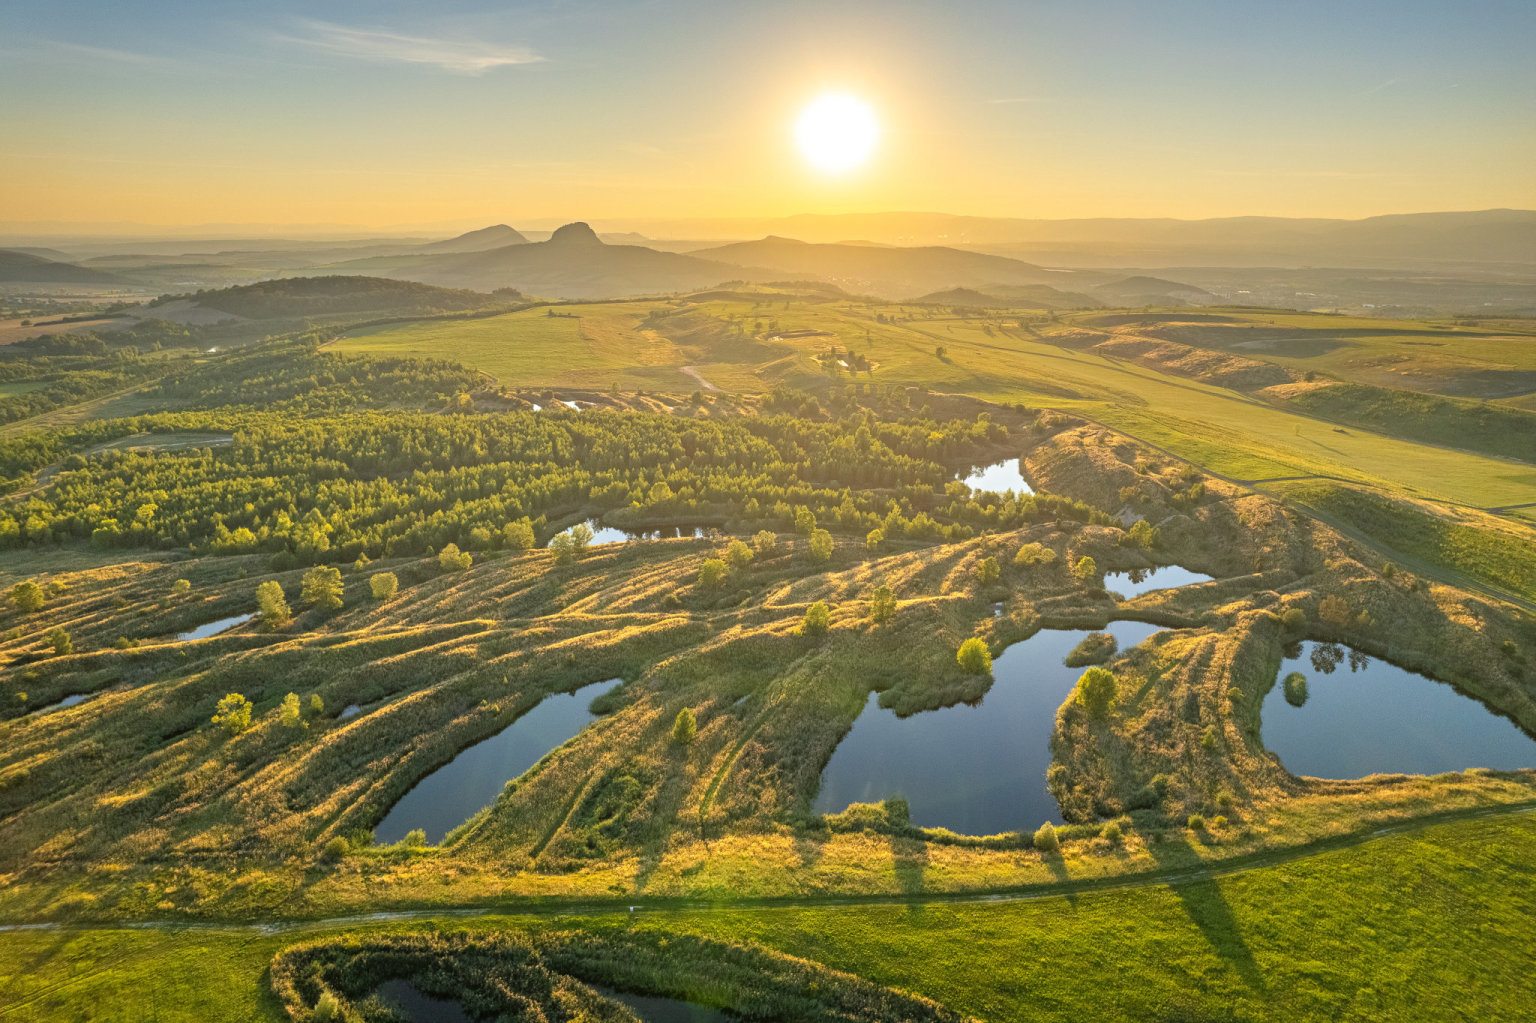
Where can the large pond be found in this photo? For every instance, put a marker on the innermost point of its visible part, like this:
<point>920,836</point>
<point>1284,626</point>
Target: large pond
<point>602,534</point>
<point>1144,580</point>
<point>665,1010</point>
<point>456,791</point>
<point>1362,715</point>
<point>975,769</point>
<point>214,628</point>
<point>1000,477</point>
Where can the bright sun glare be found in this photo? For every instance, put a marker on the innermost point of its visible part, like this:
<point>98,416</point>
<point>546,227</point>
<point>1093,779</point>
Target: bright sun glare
<point>837,132</point>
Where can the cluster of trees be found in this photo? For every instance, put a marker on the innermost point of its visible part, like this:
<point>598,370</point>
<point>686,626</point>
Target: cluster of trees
<point>323,488</point>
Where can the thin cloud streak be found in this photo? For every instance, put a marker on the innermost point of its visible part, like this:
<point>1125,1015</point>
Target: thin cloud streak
<point>465,56</point>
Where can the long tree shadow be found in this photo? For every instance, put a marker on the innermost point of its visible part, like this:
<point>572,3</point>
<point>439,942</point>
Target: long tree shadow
<point>911,861</point>
<point>1202,899</point>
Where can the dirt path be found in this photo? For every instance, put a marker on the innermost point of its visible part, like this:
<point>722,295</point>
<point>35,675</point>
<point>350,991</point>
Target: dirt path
<point>1170,876</point>
<point>693,372</point>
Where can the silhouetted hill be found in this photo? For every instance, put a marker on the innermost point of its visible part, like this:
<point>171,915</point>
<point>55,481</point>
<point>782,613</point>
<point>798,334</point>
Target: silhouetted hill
<point>478,241</point>
<point>25,268</point>
<point>573,263</point>
<point>887,271</point>
<point>317,296</point>
<point>1150,290</point>
<point>1024,296</point>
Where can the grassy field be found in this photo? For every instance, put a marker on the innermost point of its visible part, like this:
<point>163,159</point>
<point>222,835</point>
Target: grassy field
<point>1381,931</point>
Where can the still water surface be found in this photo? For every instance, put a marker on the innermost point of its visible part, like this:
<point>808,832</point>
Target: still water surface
<point>456,791</point>
<point>999,477</point>
<point>977,770</point>
<point>1144,580</point>
<point>1365,716</point>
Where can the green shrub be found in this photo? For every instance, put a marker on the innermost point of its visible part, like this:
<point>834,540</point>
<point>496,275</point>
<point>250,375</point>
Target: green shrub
<point>1235,695</point>
<point>270,605</point>
<point>28,597</point>
<point>384,585</point>
<point>1095,648</point>
<point>181,586</point>
<point>1209,738</point>
<point>1196,822</point>
<point>817,620</point>
<point>1334,610</point>
<point>738,555</point>
<point>1045,838</point>
<point>711,574</point>
<point>1296,689</point>
<point>316,705</point>
<point>1294,619</point>
<point>518,536</point>
<point>1096,691</point>
<point>820,546</point>
<point>874,539</point>
<point>337,849</point>
<point>765,541</point>
<point>60,641</point>
<point>684,727</point>
<point>234,714</point>
<point>1111,832</point>
<point>1086,570</point>
<point>321,587</point>
<point>987,571</point>
<point>451,559</point>
<point>974,657</point>
<point>291,714</point>
<point>882,605</point>
<point>805,521</point>
<point>1142,534</point>
<point>1034,554</point>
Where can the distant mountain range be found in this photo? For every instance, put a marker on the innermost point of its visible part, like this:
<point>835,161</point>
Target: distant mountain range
<point>27,268</point>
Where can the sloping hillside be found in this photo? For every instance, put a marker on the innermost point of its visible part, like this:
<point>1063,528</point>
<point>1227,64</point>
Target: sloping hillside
<point>316,296</point>
<point>25,268</point>
<point>478,241</point>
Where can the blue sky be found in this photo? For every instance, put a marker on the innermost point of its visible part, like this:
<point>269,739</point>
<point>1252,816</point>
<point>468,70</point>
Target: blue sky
<point>403,113</point>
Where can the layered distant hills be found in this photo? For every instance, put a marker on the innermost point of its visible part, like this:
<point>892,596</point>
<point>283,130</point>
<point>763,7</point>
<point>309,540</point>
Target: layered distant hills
<point>29,268</point>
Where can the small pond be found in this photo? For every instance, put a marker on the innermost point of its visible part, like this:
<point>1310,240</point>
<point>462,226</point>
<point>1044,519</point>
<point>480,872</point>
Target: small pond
<point>213,628</point>
<point>1000,477</point>
<point>420,1007</point>
<point>456,791</point>
<point>602,534</point>
<point>1363,716</point>
<point>665,1010</point>
<point>1144,580</point>
<point>977,770</point>
<point>351,710</point>
<point>69,701</point>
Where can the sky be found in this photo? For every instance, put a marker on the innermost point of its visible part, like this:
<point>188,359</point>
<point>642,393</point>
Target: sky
<point>410,113</point>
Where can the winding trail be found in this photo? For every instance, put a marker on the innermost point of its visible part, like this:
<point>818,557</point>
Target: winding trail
<point>1170,877</point>
<point>694,372</point>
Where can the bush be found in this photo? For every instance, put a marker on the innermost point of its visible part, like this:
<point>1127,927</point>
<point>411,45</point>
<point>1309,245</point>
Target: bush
<point>181,586</point>
<point>451,559</point>
<point>882,605</point>
<point>337,849</point>
<point>684,727</point>
<point>291,714</point>
<point>821,546</point>
<point>738,555</point>
<point>271,607</point>
<point>873,539</point>
<point>1334,610</point>
<point>987,571</point>
<point>1295,689</point>
<point>316,705</point>
<point>1142,535</point>
<point>711,574</point>
<point>518,536</point>
<point>1096,691</point>
<point>1034,554</point>
<point>234,714</point>
<point>818,619</point>
<point>805,521</point>
<point>321,587</point>
<point>1086,570</point>
<point>60,641</point>
<point>1045,838</point>
<point>384,585</point>
<point>1196,822</point>
<point>1294,619</point>
<point>765,541</point>
<point>27,596</point>
<point>328,1006</point>
<point>1111,833</point>
<point>974,657</point>
<point>415,838</point>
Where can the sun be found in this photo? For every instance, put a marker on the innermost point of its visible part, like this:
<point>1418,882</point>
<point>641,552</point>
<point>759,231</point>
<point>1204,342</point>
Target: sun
<point>837,132</point>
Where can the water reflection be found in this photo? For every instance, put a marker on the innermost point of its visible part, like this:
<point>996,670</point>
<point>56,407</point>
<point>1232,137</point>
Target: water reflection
<point>1000,477</point>
<point>1137,581</point>
<point>214,628</point>
<point>1362,716</point>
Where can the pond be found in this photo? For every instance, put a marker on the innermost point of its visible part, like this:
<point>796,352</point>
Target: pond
<point>977,770</point>
<point>68,701</point>
<point>420,1007</point>
<point>1362,715</point>
<point>665,1010</point>
<point>458,790</point>
<point>1144,580</point>
<point>999,477</point>
<point>351,710</point>
<point>602,534</point>
<point>214,628</point>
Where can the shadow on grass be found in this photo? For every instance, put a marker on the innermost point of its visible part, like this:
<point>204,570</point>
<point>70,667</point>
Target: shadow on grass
<point>1202,899</point>
<point>911,863</point>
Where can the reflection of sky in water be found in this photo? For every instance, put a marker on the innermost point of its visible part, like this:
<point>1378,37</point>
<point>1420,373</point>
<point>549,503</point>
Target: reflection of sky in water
<point>1000,476</point>
<point>1144,580</point>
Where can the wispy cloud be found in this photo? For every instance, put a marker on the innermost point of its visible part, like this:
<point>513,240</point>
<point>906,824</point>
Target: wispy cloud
<point>56,51</point>
<point>466,56</point>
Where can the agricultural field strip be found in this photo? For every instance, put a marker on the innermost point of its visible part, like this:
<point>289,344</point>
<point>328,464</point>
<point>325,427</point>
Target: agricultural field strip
<point>545,906</point>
